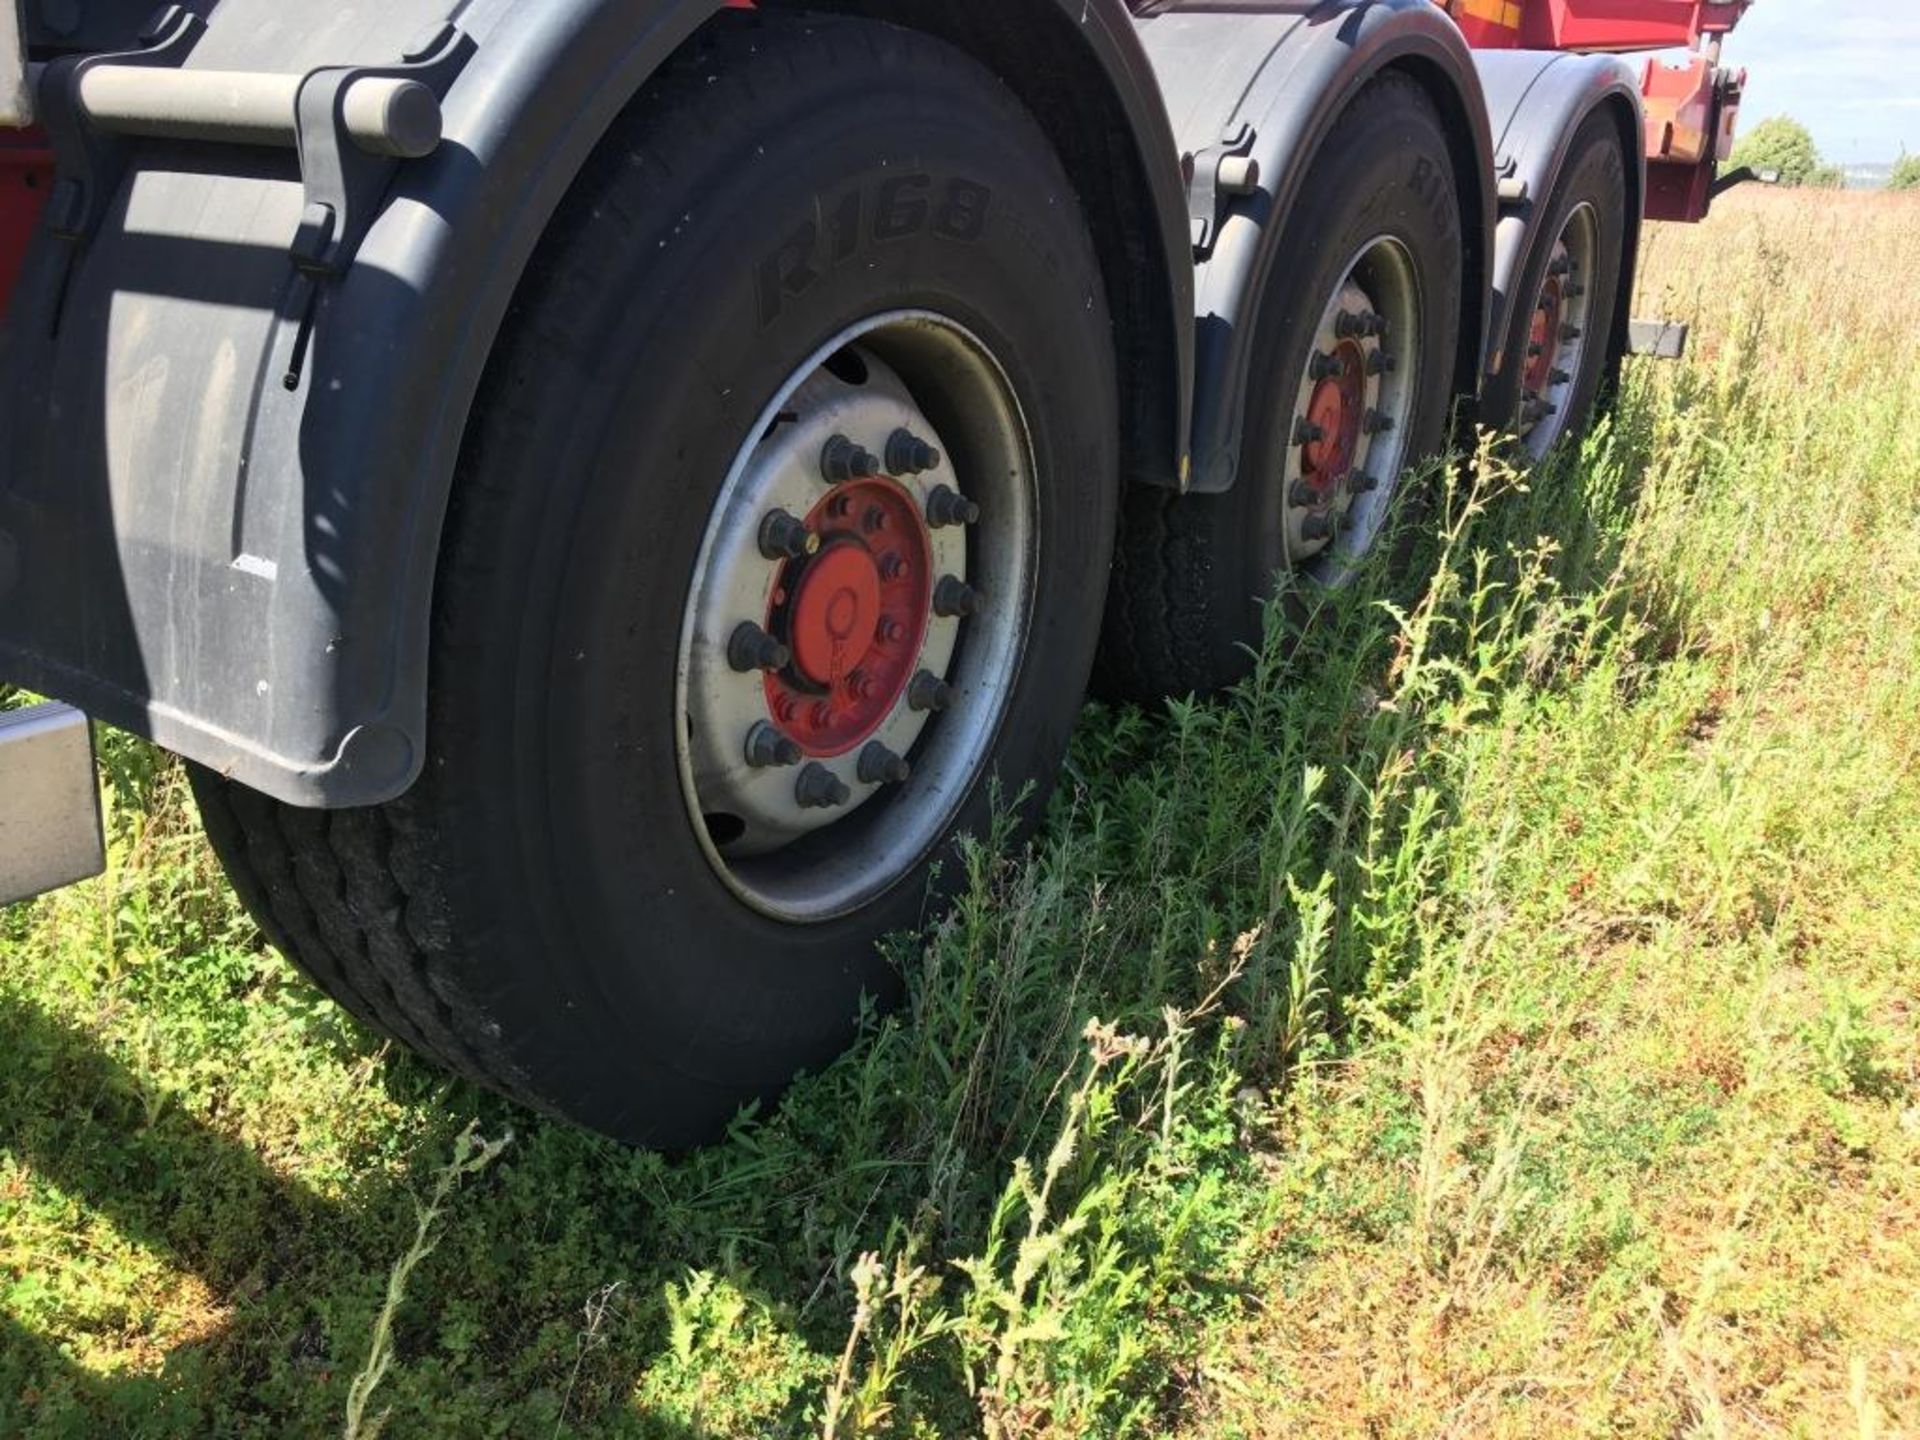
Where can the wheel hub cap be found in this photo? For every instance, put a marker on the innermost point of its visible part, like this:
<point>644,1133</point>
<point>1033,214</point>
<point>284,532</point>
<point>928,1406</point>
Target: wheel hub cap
<point>1351,413</point>
<point>857,616</point>
<point>853,614</point>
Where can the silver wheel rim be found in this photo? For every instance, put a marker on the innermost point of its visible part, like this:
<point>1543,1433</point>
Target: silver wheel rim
<point>1560,325</point>
<point>906,371</point>
<point>1335,498</point>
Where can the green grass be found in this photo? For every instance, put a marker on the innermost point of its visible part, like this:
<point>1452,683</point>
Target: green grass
<point>1498,1017</point>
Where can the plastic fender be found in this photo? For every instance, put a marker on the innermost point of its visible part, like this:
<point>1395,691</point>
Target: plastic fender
<point>1538,100</point>
<point>1288,71</point>
<point>241,568</point>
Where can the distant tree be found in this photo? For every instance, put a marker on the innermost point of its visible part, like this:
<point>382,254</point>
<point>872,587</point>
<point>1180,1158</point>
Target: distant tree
<point>1781,144</point>
<point>1905,174</point>
<point>1827,177</point>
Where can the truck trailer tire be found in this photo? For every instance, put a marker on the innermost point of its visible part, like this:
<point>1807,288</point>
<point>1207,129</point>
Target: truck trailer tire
<point>1556,346</point>
<point>775,555</point>
<point>1351,378</point>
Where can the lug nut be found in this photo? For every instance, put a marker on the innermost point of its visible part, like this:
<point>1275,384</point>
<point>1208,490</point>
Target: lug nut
<point>1302,496</point>
<point>947,506</point>
<point>1559,265</point>
<point>843,460</point>
<point>1559,377</point>
<point>784,537</point>
<point>1359,482</point>
<point>1571,332</point>
<point>953,596</point>
<point>1305,432</point>
<point>891,566</point>
<point>874,519</point>
<point>818,788</point>
<point>751,648</point>
<point>1378,422</point>
<point>880,766</point>
<point>1317,527</point>
<point>927,691</point>
<point>1573,288</point>
<point>908,454</point>
<point>1535,350</point>
<point>888,630</point>
<point>1322,366</point>
<point>1379,362</point>
<point>1347,325</point>
<point>767,746</point>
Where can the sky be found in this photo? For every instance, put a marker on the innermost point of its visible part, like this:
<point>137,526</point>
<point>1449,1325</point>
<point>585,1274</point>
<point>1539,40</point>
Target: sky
<point>1849,70</point>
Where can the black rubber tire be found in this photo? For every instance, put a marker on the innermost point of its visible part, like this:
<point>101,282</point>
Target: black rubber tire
<point>536,913</point>
<point>1594,172</point>
<point>1192,573</point>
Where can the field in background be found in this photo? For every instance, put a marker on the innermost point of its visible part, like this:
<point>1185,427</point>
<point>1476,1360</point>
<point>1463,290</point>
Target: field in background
<point>1501,1017</point>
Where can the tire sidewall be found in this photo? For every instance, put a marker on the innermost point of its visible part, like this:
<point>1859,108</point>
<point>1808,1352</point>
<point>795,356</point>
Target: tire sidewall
<point>1384,171</point>
<point>664,993</point>
<point>1594,172</point>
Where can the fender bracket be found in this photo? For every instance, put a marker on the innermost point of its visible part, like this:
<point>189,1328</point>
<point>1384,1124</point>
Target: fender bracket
<point>342,178</point>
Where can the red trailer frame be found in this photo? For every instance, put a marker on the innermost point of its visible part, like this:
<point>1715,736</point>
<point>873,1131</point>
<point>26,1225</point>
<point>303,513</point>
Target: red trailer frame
<point>1691,107</point>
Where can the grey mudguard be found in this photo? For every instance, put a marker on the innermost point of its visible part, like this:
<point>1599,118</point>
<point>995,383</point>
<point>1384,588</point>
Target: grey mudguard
<point>242,569</point>
<point>1537,100</point>
<point>1273,77</point>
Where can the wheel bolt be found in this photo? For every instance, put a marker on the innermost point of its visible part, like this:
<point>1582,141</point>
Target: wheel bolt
<point>874,519</point>
<point>1535,350</point>
<point>784,537</point>
<point>767,746</point>
<point>1346,325</point>
<point>1302,496</point>
<point>947,506</point>
<point>1359,482</point>
<point>1317,527</point>
<point>927,691</point>
<point>843,460</point>
<point>1573,288</point>
<point>953,596</point>
<point>891,566</point>
<point>1571,332</point>
<point>818,788</point>
<point>1305,432</point>
<point>1559,265</point>
<point>1559,377</point>
<point>880,766</point>
<point>889,631</point>
<point>751,648</point>
<point>1379,362</point>
<point>908,454</point>
<point>859,685</point>
<point>1377,422</point>
<point>1323,367</point>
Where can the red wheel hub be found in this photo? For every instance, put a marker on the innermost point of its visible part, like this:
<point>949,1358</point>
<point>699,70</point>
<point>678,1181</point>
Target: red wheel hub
<point>854,614</point>
<point>1543,336</point>
<point>1337,407</point>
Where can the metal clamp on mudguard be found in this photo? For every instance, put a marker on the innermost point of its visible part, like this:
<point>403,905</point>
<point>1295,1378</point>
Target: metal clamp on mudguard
<point>344,174</point>
<point>89,158</point>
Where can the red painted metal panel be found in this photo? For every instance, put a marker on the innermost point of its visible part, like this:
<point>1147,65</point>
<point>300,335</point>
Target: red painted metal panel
<point>1612,25</point>
<point>26,174</point>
